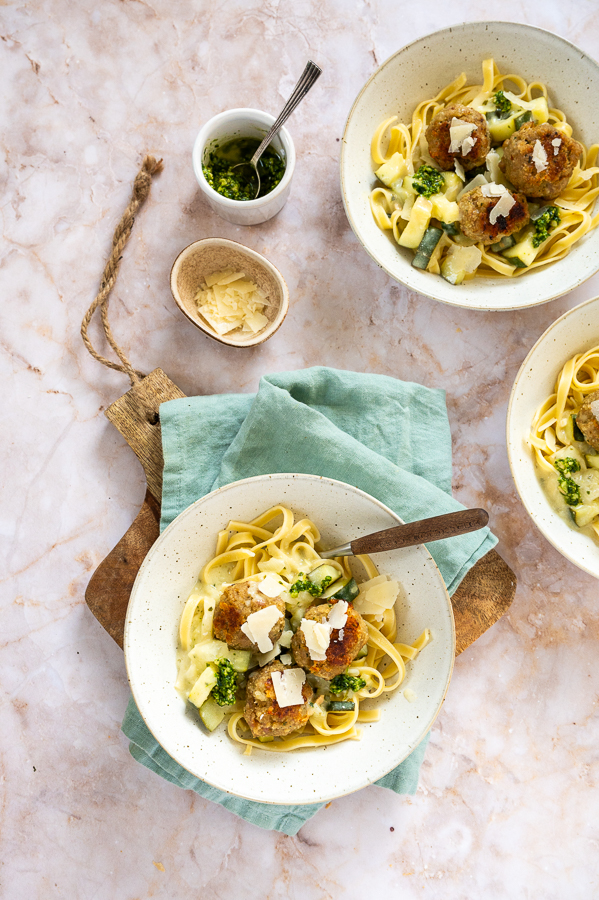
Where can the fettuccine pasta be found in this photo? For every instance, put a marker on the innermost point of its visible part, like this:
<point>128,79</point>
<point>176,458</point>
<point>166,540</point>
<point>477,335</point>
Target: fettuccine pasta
<point>429,223</point>
<point>566,456</point>
<point>251,557</point>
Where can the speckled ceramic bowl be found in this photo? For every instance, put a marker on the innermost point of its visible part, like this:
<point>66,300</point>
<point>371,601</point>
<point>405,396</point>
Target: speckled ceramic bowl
<point>420,70</point>
<point>574,332</point>
<point>211,255</point>
<point>163,584</point>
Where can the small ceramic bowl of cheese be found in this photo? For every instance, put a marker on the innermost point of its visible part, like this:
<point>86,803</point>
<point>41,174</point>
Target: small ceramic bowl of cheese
<point>231,293</point>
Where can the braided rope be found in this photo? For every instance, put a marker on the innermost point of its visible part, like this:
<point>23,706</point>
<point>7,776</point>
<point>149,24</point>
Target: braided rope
<point>140,193</point>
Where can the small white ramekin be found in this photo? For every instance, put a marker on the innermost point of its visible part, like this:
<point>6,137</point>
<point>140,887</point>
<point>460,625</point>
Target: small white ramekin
<point>244,123</point>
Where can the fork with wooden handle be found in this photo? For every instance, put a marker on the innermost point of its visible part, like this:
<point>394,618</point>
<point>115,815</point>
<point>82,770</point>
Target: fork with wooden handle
<point>422,532</point>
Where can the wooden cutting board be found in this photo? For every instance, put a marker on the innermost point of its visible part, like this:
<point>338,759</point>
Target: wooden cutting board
<point>481,599</point>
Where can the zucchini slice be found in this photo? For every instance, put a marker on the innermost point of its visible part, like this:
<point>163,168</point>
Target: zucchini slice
<point>585,513</point>
<point>576,432</point>
<point>521,119</point>
<point>450,228</point>
<point>423,254</point>
<point>341,706</point>
<point>350,590</point>
<point>504,244</point>
<point>458,262</point>
<point>319,575</point>
<point>211,713</point>
<point>522,253</point>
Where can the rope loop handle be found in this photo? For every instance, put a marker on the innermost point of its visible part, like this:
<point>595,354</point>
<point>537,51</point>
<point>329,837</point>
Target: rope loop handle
<point>139,194</point>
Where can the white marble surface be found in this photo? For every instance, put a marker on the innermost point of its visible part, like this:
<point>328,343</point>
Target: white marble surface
<point>507,803</point>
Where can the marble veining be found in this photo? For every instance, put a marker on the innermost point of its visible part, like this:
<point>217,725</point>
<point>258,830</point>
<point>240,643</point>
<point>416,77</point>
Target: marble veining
<point>508,794</point>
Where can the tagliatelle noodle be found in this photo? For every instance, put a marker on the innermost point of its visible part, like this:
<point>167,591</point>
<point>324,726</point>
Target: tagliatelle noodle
<point>253,551</point>
<point>578,377</point>
<point>576,202</point>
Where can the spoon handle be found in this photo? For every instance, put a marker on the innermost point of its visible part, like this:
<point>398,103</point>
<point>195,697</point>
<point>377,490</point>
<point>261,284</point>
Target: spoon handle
<point>422,532</point>
<point>307,79</point>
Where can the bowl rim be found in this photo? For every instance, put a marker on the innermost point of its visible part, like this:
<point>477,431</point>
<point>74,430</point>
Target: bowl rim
<point>199,145</point>
<point>268,330</point>
<point>511,450</point>
<point>156,548</point>
<point>521,26</point>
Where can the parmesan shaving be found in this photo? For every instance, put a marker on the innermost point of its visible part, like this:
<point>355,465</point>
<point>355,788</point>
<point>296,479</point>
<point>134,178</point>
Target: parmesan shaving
<point>493,190</point>
<point>270,587</point>
<point>595,408</point>
<point>286,659</point>
<point>502,207</point>
<point>264,658</point>
<point>467,145</point>
<point>556,144</point>
<point>460,136</point>
<point>228,300</point>
<point>318,637</point>
<point>338,615</point>
<point>285,639</point>
<point>459,170</point>
<point>376,596</point>
<point>539,156</point>
<point>318,634</point>
<point>259,625</point>
<point>492,161</point>
<point>288,686</point>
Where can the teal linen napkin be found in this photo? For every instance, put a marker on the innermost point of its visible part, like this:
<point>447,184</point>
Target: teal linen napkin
<point>386,437</point>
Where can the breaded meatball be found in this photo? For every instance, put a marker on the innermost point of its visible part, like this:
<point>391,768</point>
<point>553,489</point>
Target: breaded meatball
<point>587,422</point>
<point>474,217</point>
<point>236,603</point>
<point>263,714</point>
<point>341,652</point>
<point>520,168</point>
<point>437,135</point>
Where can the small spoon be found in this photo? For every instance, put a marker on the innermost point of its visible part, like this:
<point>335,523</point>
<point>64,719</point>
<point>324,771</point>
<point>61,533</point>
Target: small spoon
<point>307,79</point>
<point>422,532</point>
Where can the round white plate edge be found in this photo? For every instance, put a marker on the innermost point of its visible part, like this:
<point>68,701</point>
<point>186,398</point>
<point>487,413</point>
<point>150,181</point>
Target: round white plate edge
<point>414,280</point>
<point>521,408</point>
<point>291,799</point>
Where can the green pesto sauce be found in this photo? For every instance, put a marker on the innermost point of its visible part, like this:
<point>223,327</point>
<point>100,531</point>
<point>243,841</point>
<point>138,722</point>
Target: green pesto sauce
<point>218,169</point>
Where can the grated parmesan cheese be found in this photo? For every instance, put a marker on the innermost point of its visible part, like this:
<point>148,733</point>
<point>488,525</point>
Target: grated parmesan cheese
<point>259,625</point>
<point>556,144</point>
<point>539,156</point>
<point>228,300</point>
<point>460,136</point>
<point>288,686</point>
